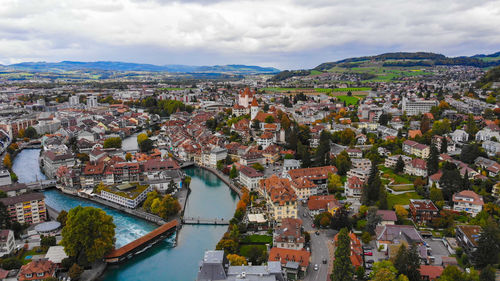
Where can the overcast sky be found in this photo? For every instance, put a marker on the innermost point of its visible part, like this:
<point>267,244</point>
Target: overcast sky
<point>288,34</point>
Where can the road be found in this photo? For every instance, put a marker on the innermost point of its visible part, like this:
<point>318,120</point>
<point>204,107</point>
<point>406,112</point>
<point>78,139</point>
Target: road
<point>319,249</point>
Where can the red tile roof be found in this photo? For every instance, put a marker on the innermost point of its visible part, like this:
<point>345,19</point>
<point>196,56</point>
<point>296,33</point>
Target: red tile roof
<point>477,200</point>
<point>285,255</point>
<point>431,271</point>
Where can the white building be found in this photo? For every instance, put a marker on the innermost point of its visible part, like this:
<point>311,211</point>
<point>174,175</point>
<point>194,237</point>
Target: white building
<point>131,201</point>
<point>459,136</point>
<point>216,155</point>
<point>91,101</point>
<point>487,134</point>
<point>468,201</point>
<point>417,106</point>
<point>7,242</point>
<point>250,177</point>
<point>74,100</point>
<point>491,147</point>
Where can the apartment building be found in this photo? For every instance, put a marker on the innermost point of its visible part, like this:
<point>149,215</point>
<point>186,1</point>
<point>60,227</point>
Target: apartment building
<point>417,106</point>
<point>26,208</point>
<point>417,149</point>
<point>468,201</point>
<point>250,177</point>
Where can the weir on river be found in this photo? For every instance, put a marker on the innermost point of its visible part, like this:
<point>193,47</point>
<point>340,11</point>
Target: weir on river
<point>210,197</point>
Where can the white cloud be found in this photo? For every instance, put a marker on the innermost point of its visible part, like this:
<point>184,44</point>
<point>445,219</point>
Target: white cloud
<point>287,32</point>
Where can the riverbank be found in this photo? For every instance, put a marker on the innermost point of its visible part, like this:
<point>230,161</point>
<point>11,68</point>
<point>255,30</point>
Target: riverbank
<point>223,178</point>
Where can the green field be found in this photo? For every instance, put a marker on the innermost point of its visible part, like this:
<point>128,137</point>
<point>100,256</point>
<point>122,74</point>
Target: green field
<point>398,179</point>
<point>170,89</point>
<point>315,72</point>
<point>348,99</point>
<point>401,199</point>
<point>352,89</point>
<point>245,249</point>
<point>257,239</point>
<point>382,73</point>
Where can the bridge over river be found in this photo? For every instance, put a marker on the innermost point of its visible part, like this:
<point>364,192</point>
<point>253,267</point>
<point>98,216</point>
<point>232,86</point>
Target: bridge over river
<point>205,221</point>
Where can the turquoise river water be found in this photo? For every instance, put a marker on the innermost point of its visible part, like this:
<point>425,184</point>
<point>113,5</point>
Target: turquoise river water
<point>210,198</point>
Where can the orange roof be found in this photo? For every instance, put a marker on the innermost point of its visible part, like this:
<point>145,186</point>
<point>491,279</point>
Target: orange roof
<point>285,255</point>
<point>315,173</point>
<point>254,102</point>
<point>413,133</point>
<point>318,202</point>
<point>431,271</point>
<point>138,242</point>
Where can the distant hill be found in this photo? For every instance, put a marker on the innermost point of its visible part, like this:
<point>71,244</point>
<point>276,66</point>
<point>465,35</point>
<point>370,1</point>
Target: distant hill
<point>64,66</point>
<point>493,75</point>
<point>403,60</point>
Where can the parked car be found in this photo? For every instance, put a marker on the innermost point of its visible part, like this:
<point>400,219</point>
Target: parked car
<point>368,253</point>
<point>316,267</point>
<point>370,261</point>
<point>324,261</point>
<point>317,232</point>
<point>367,247</point>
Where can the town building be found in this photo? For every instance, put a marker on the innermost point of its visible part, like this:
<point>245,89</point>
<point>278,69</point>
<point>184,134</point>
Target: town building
<point>128,195</point>
<point>26,208</point>
<point>467,237</point>
<point>293,262</point>
<point>322,203</point>
<point>423,211</point>
<point>250,178</point>
<point>289,234</point>
<point>417,106</point>
<point>415,148</point>
<point>280,197</point>
<point>388,217</point>
<point>416,167</point>
<point>7,242</point>
<point>391,161</point>
<point>468,201</point>
<point>37,270</point>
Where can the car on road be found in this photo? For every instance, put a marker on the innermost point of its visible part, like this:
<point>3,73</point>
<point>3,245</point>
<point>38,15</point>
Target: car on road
<point>312,225</point>
<point>368,253</point>
<point>317,232</point>
<point>370,261</point>
<point>369,266</point>
<point>324,261</point>
<point>316,267</point>
<point>367,248</point>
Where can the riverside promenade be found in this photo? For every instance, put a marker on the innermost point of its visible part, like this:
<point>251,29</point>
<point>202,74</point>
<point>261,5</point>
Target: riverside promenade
<point>224,178</point>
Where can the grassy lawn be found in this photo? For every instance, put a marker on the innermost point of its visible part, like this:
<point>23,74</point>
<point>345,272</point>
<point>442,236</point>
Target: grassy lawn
<point>258,239</point>
<point>315,72</point>
<point>245,249</point>
<point>402,188</point>
<point>401,199</point>
<point>348,99</point>
<point>398,179</point>
<point>352,89</point>
<point>29,253</point>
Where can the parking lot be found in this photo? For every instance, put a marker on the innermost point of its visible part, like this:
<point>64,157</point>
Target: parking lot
<point>438,250</point>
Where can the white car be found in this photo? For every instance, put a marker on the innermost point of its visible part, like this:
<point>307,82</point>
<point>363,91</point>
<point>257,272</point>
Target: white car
<point>316,267</point>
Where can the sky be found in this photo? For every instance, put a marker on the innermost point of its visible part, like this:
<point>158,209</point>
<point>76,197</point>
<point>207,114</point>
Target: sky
<point>287,34</point>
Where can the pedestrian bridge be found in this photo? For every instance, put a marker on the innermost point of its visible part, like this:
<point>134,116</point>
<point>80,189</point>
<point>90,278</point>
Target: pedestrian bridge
<point>40,185</point>
<point>205,221</point>
<point>141,244</point>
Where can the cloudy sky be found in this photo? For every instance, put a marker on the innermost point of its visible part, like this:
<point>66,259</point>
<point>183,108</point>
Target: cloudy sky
<point>288,34</point>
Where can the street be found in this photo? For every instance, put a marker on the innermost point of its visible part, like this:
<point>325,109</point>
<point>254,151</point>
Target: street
<point>319,248</point>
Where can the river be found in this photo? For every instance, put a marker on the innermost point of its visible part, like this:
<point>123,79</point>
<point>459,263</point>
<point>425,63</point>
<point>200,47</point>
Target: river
<point>210,198</point>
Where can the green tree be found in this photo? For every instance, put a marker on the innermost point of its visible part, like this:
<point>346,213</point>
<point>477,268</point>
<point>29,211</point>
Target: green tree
<point>433,161</point>
<point>62,217</point>
<point>334,183</point>
<point>258,167</point>
<point>488,245</point>
<point>322,156</point>
<point>233,173</point>
<point>30,132</point>
<point>89,233</point>
<point>5,221</point>
<point>383,119</point>
<point>343,163</point>
<point>400,166</point>
<point>372,220</point>
<point>371,192</point>
<point>342,266</point>
<point>128,157</point>
<point>11,263</point>
<point>75,272</point>
<point>470,152</point>
<point>305,156</point>
<point>471,127</point>
<point>407,262</point>
<point>450,180</point>
<point>113,142</point>
<point>453,273</point>
<point>146,145</point>
<point>444,145</point>
<point>47,241</point>
<point>488,274</point>
<point>269,119</point>
<point>382,271</point>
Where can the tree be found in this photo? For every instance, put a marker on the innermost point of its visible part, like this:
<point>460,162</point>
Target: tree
<point>488,245</point>
<point>453,273</point>
<point>234,173</point>
<point>450,180</point>
<point>75,271</point>
<point>433,161</point>
<point>89,233</point>
<point>341,219</point>
<point>372,220</point>
<point>7,161</point>
<point>382,271</point>
<point>257,255</point>
<point>303,153</point>
<point>11,263</point>
<point>47,241</point>
<point>425,124</point>
<point>383,119</point>
<point>400,166</point>
<point>269,119</point>
<point>444,145</point>
<point>401,212</point>
<point>128,157</point>
<point>258,167</point>
<point>470,152</point>
<point>334,183</point>
<point>141,137</point>
<point>371,192</point>
<point>471,127</point>
<point>5,221</point>
<point>342,266</point>
<point>113,142</point>
<point>343,163</point>
<point>407,262</point>
<point>236,260</point>
<point>146,145</point>
<point>488,273</point>
<point>30,132</point>
<point>322,156</point>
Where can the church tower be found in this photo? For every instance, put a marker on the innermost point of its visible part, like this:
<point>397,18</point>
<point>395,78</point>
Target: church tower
<point>254,109</point>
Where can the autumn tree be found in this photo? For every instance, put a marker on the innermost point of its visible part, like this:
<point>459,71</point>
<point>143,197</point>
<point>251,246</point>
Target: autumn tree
<point>343,163</point>
<point>7,161</point>
<point>89,234</point>
<point>236,260</point>
<point>113,142</point>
